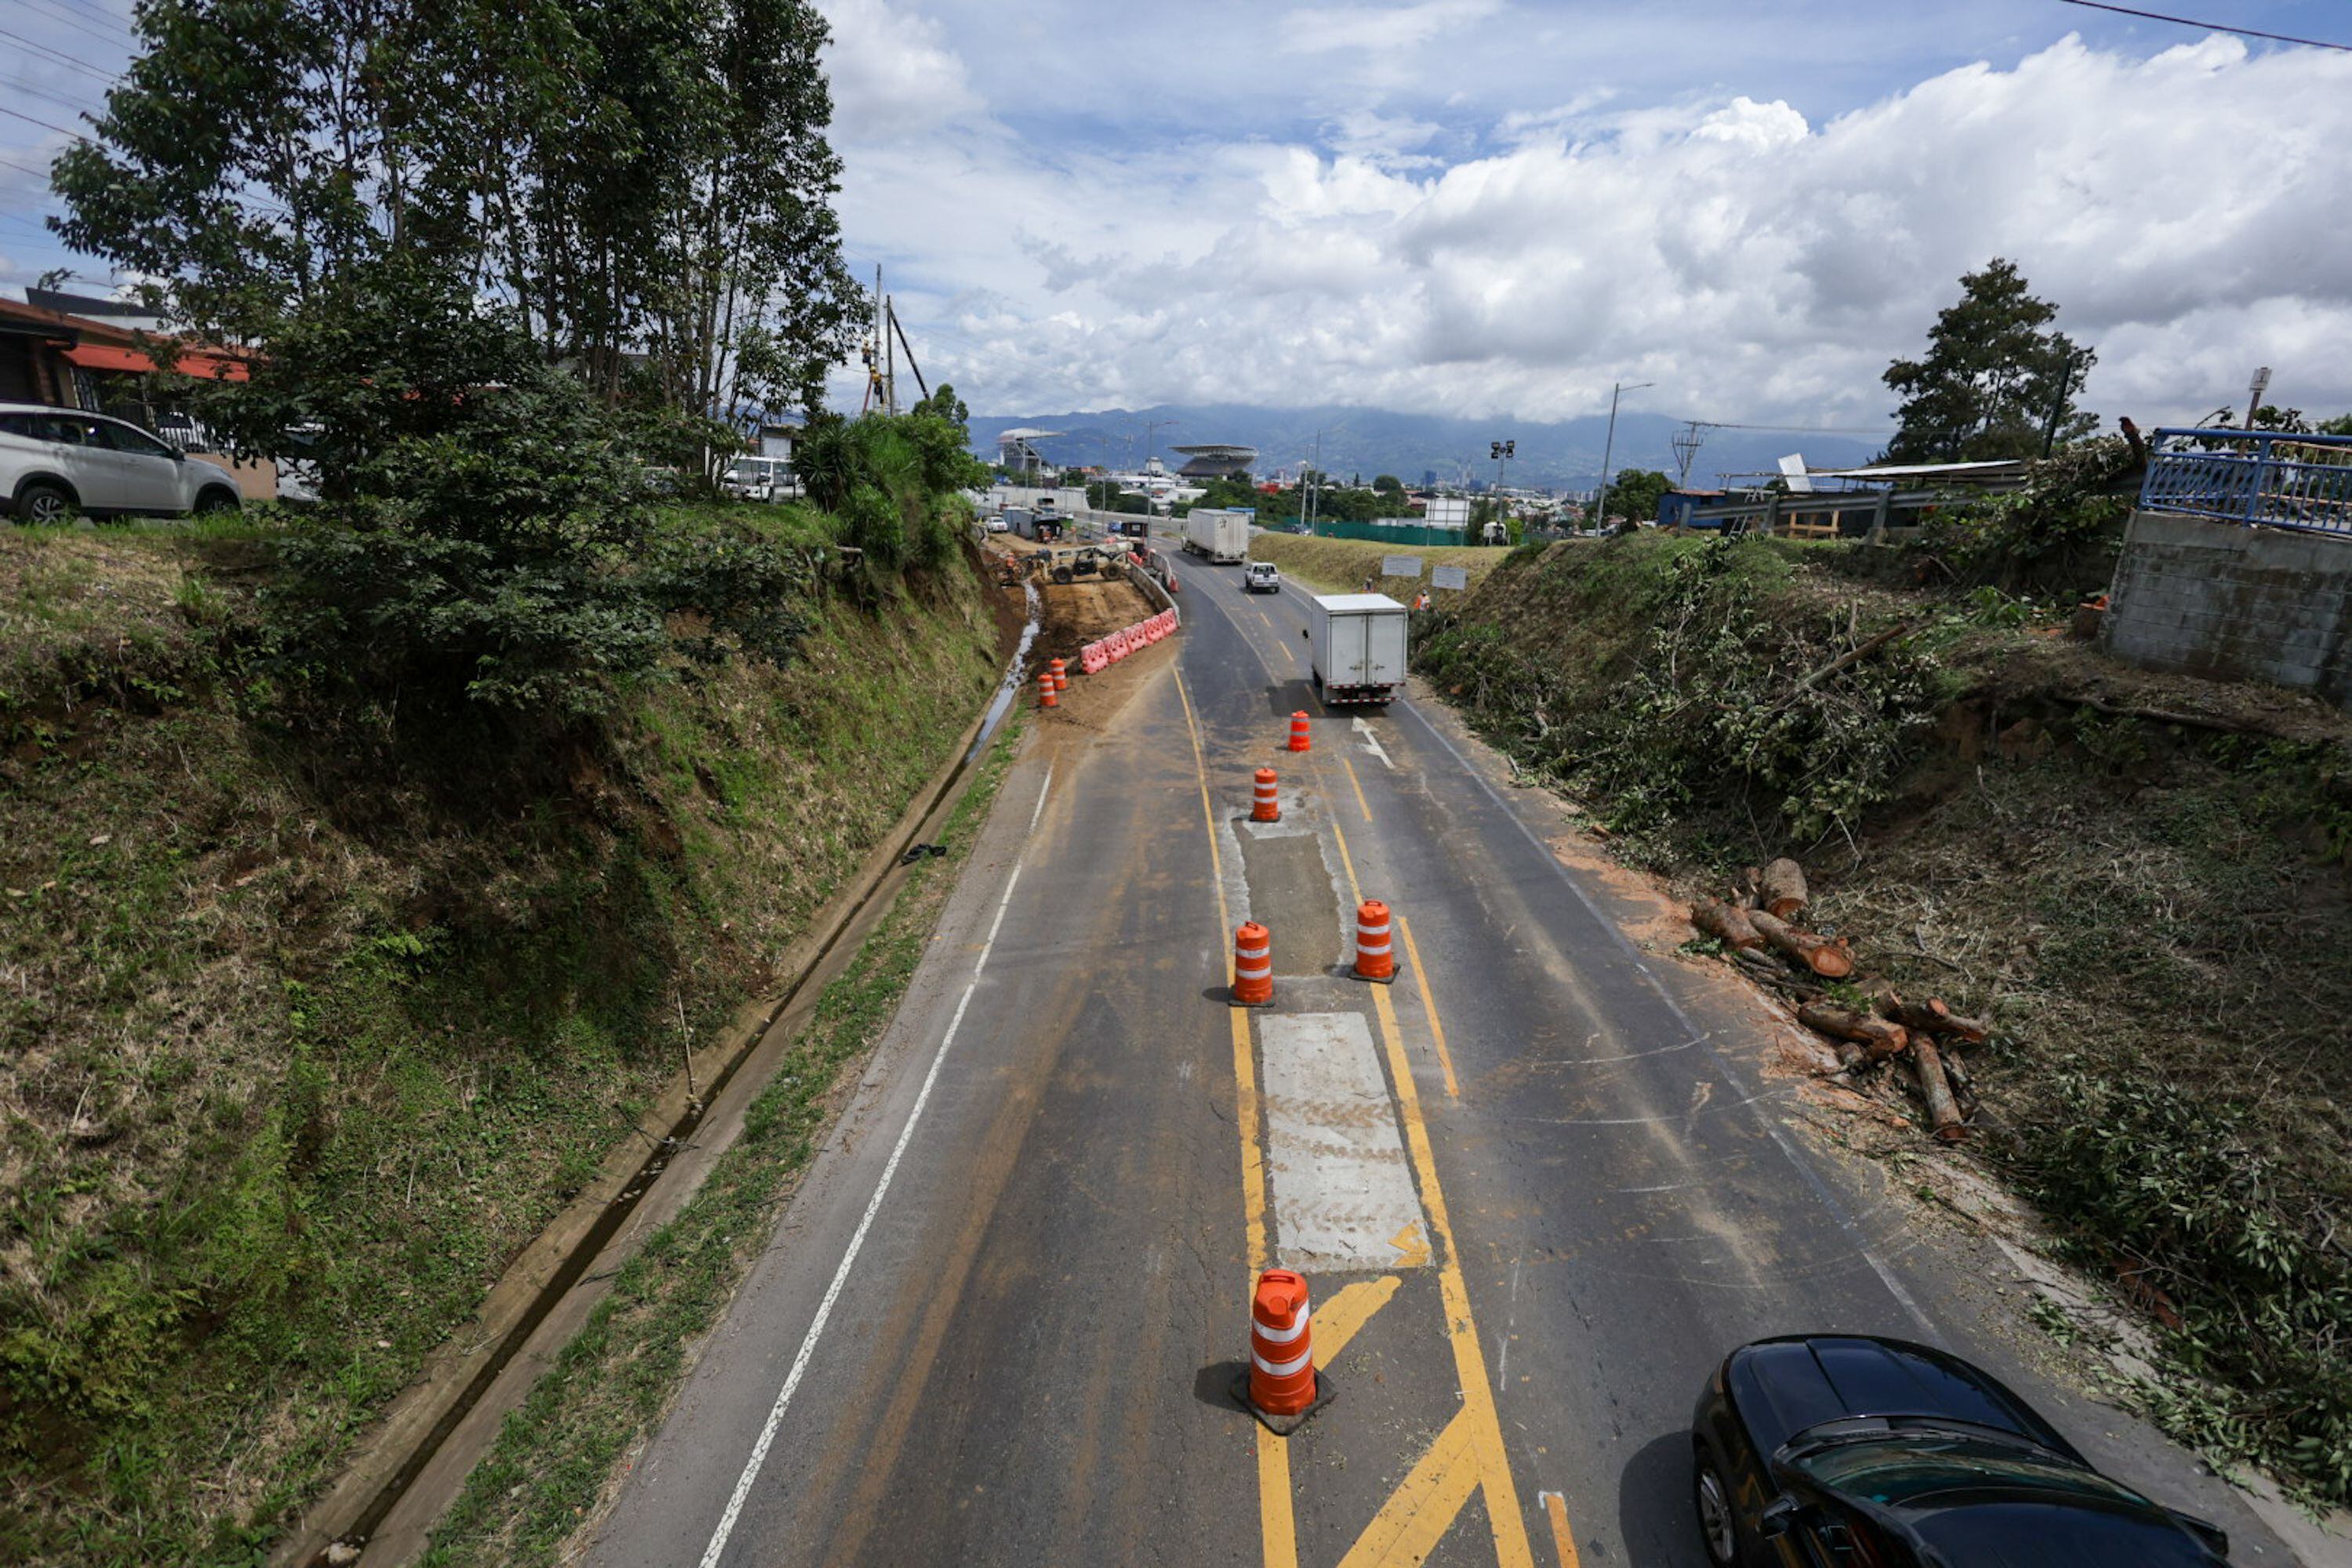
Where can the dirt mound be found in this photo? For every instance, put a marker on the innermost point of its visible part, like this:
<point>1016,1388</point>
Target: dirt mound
<point>1083,612</point>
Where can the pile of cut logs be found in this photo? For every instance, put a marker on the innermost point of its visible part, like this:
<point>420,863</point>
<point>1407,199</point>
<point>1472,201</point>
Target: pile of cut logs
<point>1761,928</point>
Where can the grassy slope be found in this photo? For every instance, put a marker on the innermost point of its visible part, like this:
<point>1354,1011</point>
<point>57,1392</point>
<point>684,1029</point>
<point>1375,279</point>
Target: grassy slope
<point>538,1487</point>
<point>1341,565</point>
<point>2150,913</point>
<point>302,1046</point>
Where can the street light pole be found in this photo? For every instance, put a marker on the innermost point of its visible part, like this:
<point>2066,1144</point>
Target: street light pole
<point>1504,452</point>
<point>1609,450</point>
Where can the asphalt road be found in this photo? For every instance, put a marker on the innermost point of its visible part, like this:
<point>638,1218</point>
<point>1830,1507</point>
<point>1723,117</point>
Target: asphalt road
<point>1538,1186</point>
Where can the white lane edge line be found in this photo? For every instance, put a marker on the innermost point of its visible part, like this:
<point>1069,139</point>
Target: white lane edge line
<point>1773,1129</point>
<point>1040,809</point>
<point>759,1456</point>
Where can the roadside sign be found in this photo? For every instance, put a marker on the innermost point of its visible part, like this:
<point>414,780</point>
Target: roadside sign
<point>1450,577</point>
<point>1400,565</point>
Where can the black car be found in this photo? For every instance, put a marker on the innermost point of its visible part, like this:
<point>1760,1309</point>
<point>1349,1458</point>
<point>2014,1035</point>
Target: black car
<point>1847,1452</point>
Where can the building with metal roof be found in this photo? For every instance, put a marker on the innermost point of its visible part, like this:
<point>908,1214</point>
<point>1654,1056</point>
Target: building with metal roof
<point>1215,460</point>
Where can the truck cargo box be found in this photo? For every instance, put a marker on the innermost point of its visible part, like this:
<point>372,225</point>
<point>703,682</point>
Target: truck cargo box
<point>1221,534</point>
<point>1359,643</point>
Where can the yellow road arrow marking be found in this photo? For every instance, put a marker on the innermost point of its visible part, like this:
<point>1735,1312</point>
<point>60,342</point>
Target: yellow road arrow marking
<point>1412,1247</point>
<point>1420,1512</point>
<point>1337,1320</point>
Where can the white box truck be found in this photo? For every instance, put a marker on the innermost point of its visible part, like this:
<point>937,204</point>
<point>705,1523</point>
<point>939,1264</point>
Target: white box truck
<point>1358,647</point>
<point>1219,533</point>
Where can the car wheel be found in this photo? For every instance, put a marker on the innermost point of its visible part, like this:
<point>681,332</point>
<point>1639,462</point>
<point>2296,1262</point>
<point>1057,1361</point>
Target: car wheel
<point>216,501</point>
<point>1718,1525</point>
<point>45,503</point>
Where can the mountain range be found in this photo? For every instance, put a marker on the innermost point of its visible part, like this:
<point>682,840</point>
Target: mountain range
<point>1365,442</point>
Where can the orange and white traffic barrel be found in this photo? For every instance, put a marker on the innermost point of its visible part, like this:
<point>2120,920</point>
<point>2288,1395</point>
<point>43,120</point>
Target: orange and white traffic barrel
<point>1045,697</point>
<point>1281,1377</point>
<point>1252,965</point>
<point>1266,805</point>
<point>1061,675</point>
<point>1374,960</point>
<point>1300,740</point>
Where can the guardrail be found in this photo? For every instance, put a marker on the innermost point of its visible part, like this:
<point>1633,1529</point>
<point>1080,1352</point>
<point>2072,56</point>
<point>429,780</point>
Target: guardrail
<point>2251,477</point>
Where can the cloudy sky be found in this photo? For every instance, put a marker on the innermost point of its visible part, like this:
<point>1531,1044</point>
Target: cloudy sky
<point>1489,208</point>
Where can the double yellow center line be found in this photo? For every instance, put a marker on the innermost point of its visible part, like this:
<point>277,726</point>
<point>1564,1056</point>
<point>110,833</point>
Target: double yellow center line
<point>1470,1454</point>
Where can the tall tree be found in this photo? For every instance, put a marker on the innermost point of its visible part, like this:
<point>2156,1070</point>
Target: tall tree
<point>1993,377</point>
<point>646,185</point>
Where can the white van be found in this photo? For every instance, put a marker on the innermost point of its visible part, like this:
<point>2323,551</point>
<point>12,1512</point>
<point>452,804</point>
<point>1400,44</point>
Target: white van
<point>761,479</point>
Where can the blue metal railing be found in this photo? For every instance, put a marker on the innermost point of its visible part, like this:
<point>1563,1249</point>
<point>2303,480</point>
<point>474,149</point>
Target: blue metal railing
<point>2236,476</point>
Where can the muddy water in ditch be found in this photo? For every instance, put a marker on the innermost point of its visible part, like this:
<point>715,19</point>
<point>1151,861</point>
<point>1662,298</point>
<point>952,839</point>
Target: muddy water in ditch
<point>1014,675</point>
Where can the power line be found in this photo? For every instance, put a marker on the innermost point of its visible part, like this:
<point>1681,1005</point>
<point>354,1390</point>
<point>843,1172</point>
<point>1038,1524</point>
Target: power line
<point>1787,429</point>
<point>72,103</point>
<point>2210,27</point>
<point>56,14</point>
<point>63,57</point>
<point>43,124</point>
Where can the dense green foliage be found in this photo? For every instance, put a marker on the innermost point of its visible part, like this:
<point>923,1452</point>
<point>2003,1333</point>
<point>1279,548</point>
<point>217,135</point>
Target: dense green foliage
<point>2060,531</point>
<point>893,481</point>
<point>1992,378</point>
<point>646,188</point>
<point>1691,706</point>
<point>1634,494</point>
<point>2183,1191</point>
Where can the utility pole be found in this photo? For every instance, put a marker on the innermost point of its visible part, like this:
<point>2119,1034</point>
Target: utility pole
<point>1609,450</point>
<point>1686,446</point>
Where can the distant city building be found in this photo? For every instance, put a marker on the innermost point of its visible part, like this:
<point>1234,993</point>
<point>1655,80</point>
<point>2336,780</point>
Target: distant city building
<point>1215,460</point>
<point>1428,478</point>
<point>1017,450</point>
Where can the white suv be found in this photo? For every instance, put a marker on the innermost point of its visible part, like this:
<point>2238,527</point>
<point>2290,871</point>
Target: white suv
<point>55,462</point>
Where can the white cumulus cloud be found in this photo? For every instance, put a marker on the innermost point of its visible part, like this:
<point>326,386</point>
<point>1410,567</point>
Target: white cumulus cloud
<point>2183,208</point>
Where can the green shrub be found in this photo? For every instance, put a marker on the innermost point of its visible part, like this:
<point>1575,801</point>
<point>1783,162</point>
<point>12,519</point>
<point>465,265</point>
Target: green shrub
<point>2178,1188</point>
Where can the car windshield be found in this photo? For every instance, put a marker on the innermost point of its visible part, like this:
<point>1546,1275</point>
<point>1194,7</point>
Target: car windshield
<point>1905,1466</point>
<point>1981,1499</point>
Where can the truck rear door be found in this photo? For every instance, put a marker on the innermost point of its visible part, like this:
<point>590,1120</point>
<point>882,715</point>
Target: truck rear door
<point>1384,649</point>
<point>1352,650</point>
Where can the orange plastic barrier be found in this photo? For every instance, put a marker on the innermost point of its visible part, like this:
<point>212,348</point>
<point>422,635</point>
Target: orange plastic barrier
<point>1267,806</point>
<point>1300,740</point>
<point>1373,958</point>
<point>1282,1357</point>
<point>1045,697</point>
<point>1252,965</point>
<point>1061,673</point>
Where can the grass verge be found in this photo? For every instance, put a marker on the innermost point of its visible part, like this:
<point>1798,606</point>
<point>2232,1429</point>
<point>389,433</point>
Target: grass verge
<point>1341,565</point>
<point>554,1457</point>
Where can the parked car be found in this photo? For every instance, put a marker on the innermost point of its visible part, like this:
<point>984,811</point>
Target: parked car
<point>56,462</point>
<point>761,479</point>
<point>1261,577</point>
<point>1833,1450</point>
<point>997,524</point>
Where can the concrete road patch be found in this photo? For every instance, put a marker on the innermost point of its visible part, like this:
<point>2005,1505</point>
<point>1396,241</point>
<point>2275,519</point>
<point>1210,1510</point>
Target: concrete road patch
<point>1343,1194</point>
<point>1290,894</point>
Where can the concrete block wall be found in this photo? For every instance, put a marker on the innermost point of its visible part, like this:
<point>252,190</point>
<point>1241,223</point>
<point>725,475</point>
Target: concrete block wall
<point>2234,602</point>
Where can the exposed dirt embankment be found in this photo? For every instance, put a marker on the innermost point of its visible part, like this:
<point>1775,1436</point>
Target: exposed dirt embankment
<point>2139,880</point>
<point>310,1025</point>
